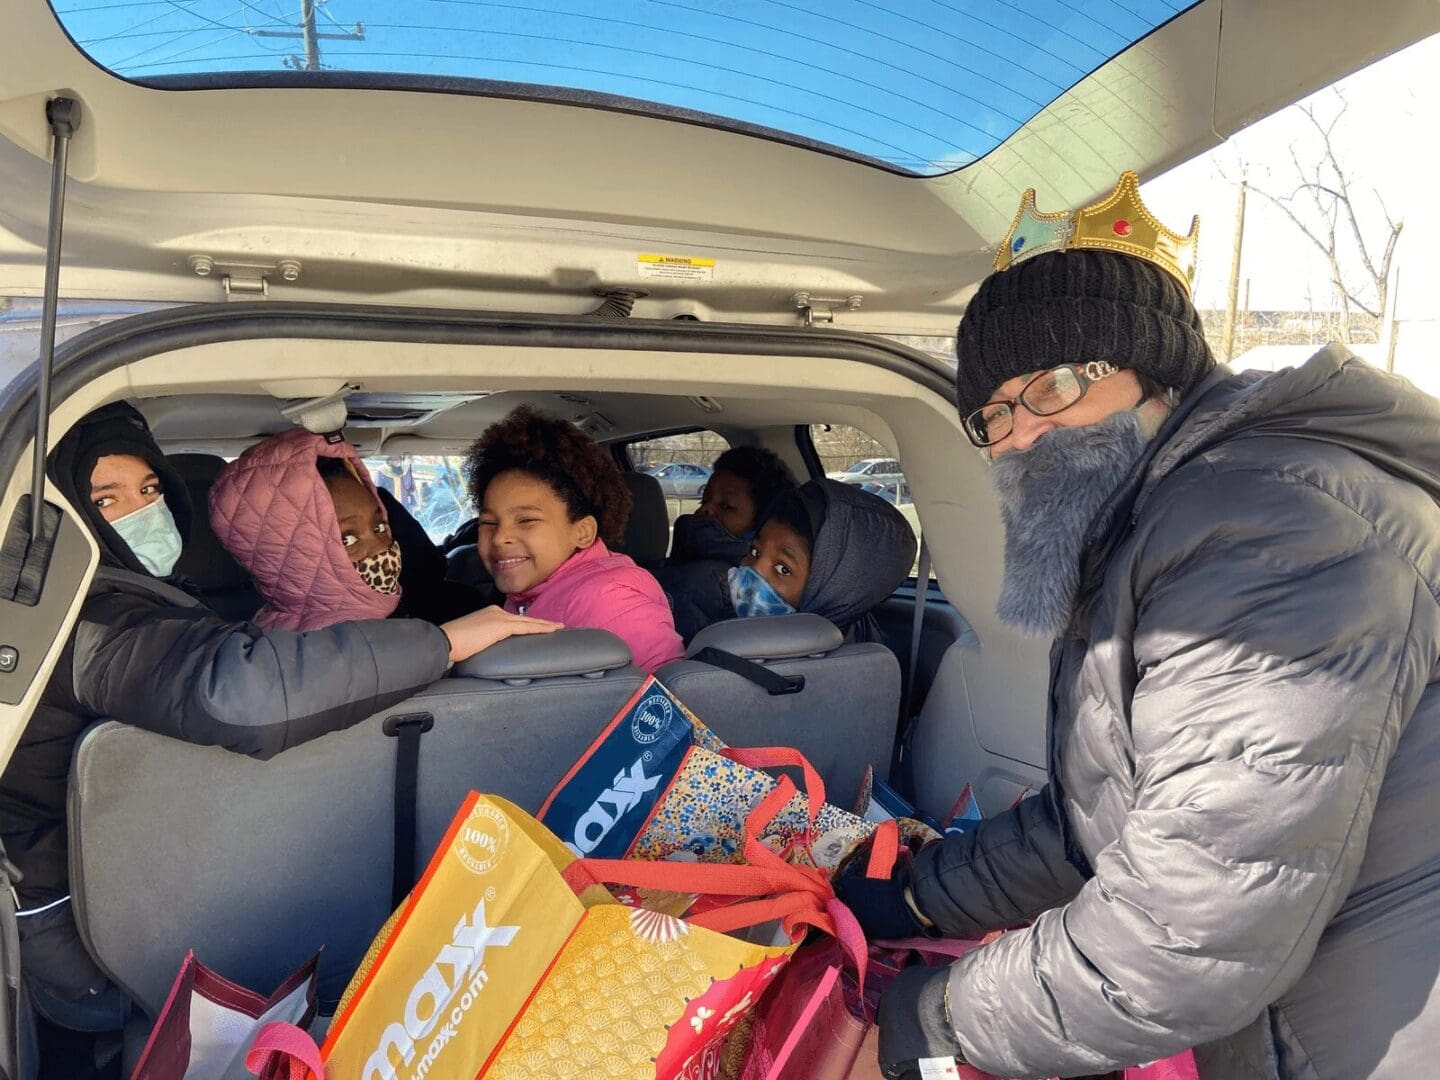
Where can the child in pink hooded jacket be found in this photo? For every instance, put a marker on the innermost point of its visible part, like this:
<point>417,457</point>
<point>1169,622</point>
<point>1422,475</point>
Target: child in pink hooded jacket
<point>549,497</point>
<point>300,513</point>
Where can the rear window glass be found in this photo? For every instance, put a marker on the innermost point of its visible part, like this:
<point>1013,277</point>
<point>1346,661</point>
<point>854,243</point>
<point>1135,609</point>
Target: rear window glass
<point>432,487</point>
<point>849,455</point>
<point>922,86</point>
<point>682,465</point>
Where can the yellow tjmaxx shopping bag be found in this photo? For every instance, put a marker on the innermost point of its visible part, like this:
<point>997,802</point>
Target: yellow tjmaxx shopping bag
<point>495,967</point>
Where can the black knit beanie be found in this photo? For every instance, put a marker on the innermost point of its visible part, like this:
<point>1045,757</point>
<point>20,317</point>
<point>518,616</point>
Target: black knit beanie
<point>1071,307</point>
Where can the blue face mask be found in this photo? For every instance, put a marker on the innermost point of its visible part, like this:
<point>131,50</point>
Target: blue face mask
<point>151,536</point>
<point>751,595</point>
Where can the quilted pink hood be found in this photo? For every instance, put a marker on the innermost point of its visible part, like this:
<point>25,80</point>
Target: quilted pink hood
<point>272,511</point>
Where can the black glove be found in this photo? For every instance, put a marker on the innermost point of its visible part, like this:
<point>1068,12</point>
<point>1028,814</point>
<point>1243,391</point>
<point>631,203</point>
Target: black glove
<point>878,904</point>
<point>914,1023</point>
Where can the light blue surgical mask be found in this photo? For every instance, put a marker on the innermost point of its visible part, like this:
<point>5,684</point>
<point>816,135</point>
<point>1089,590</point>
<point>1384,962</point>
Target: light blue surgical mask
<point>751,595</point>
<point>152,537</point>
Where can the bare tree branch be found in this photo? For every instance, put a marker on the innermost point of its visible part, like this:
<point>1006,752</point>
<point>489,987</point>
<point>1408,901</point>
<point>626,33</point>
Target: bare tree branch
<point>1322,206</point>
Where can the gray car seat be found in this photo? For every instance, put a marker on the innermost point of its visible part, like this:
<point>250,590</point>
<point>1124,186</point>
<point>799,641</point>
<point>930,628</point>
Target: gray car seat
<point>222,582</point>
<point>647,533</point>
<point>839,707</point>
<point>256,865</point>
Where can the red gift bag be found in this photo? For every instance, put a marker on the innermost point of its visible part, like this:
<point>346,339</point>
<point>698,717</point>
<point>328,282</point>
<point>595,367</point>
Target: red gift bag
<point>213,1029</point>
<point>810,1025</point>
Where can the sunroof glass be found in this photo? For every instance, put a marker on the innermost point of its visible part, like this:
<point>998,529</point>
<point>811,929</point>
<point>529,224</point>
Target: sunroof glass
<point>922,86</point>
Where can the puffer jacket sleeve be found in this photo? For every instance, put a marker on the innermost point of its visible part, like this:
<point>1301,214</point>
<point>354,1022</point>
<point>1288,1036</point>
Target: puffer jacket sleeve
<point>1006,870</point>
<point>1281,643</point>
<point>184,672</point>
<point>640,617</point>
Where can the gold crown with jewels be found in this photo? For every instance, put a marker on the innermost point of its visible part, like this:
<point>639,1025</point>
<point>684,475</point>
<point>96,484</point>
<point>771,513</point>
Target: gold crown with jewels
<point>1118,222</point>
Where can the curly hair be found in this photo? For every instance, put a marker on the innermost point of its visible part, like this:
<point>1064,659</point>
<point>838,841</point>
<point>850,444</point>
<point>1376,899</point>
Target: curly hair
<point>762,469</point>
<point>558,453</point>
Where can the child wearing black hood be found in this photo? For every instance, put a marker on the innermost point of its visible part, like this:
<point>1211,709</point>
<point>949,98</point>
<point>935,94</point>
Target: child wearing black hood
<point>830,549</point>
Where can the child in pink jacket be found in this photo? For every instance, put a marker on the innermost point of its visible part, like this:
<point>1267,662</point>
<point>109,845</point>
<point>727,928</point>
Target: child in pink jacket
<point>549,497</point>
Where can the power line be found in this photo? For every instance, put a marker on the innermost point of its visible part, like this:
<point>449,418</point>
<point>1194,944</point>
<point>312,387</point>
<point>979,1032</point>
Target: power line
<point>324,8</point>
<point>117,64</point>
<point>203,18</point>
<point>849,105</point>
<point>743,48</point>
<point>154,19</point>
<point>771,29</point>
<point>174,56</point>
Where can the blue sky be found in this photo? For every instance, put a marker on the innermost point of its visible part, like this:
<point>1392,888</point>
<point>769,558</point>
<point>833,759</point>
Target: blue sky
<point>926,84</point>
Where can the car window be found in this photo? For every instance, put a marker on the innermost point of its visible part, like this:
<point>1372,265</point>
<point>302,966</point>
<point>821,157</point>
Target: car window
<point>681,463</point>
<point>848,454</point>
<point>432,487</point>
<point>920,88</point>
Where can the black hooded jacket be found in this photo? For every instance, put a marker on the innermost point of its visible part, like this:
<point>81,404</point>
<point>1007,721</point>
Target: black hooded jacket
<point>145,652</point>
<point>863,549</point>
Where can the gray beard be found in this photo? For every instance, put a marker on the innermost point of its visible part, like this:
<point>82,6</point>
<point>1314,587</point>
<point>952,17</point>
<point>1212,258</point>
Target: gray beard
<point>1049,495</point>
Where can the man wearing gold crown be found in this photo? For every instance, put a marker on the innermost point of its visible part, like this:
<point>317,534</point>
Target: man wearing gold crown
<point>1237,850</point>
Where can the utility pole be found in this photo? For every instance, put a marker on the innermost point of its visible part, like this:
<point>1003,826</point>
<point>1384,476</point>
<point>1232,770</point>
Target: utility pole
<point>311,37</point>
<point>1227,341</point>
<point>307,29</point>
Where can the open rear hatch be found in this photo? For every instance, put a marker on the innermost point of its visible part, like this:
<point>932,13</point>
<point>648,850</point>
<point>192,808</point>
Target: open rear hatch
<point>738,166</point>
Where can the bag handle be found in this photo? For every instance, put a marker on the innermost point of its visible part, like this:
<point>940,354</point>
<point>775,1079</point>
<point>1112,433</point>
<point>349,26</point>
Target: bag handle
<point>884,843</point>
<point>884,849</point>
<point>284,1052</point>
<point>796,895</point>
<point>780,757</point>
<point>765,875</point>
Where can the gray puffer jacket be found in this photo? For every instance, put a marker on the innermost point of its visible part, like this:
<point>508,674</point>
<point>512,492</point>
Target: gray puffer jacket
<point>1239,848</point>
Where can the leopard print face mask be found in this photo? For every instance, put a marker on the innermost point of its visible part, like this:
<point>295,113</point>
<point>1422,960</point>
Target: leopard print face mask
<point>382,571</point>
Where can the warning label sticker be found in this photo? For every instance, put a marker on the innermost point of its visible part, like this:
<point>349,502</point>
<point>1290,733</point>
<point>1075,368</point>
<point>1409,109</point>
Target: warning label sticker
<point>675,267</point>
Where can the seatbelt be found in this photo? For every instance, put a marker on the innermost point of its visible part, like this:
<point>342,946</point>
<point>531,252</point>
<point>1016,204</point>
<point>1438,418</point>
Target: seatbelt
<point>902,770</point>
<point>772,682</point>
<point>406,729</point>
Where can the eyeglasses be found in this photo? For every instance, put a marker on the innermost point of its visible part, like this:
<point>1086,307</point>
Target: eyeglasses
<point>1048,393</point>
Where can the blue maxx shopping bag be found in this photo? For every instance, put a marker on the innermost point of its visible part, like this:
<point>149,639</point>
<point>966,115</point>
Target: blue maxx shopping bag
<point>602,802</point>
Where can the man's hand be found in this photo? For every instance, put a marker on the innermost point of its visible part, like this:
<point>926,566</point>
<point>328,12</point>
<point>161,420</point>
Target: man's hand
<point>915,1023</point>
<point>477,631</point>
<point>882,906</point>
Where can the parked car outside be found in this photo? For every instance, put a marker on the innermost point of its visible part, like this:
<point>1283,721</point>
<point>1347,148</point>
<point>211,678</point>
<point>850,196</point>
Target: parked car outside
<point>681,480</point>
<point>895,492</point>
<point>881,470</point>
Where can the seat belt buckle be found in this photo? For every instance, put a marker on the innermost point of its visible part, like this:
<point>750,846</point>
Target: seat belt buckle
<point>793,685</point>
<point>408,724</point>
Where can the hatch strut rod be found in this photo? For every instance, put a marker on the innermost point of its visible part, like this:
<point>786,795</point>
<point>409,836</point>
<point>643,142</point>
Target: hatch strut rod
<point>63,115</point>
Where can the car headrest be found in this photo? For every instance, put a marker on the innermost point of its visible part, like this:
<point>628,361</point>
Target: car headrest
<point>204,559</point>
<point>463,564</point>
<point>775,637</point>
<point>519,660</point>
<point>647,533</point>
